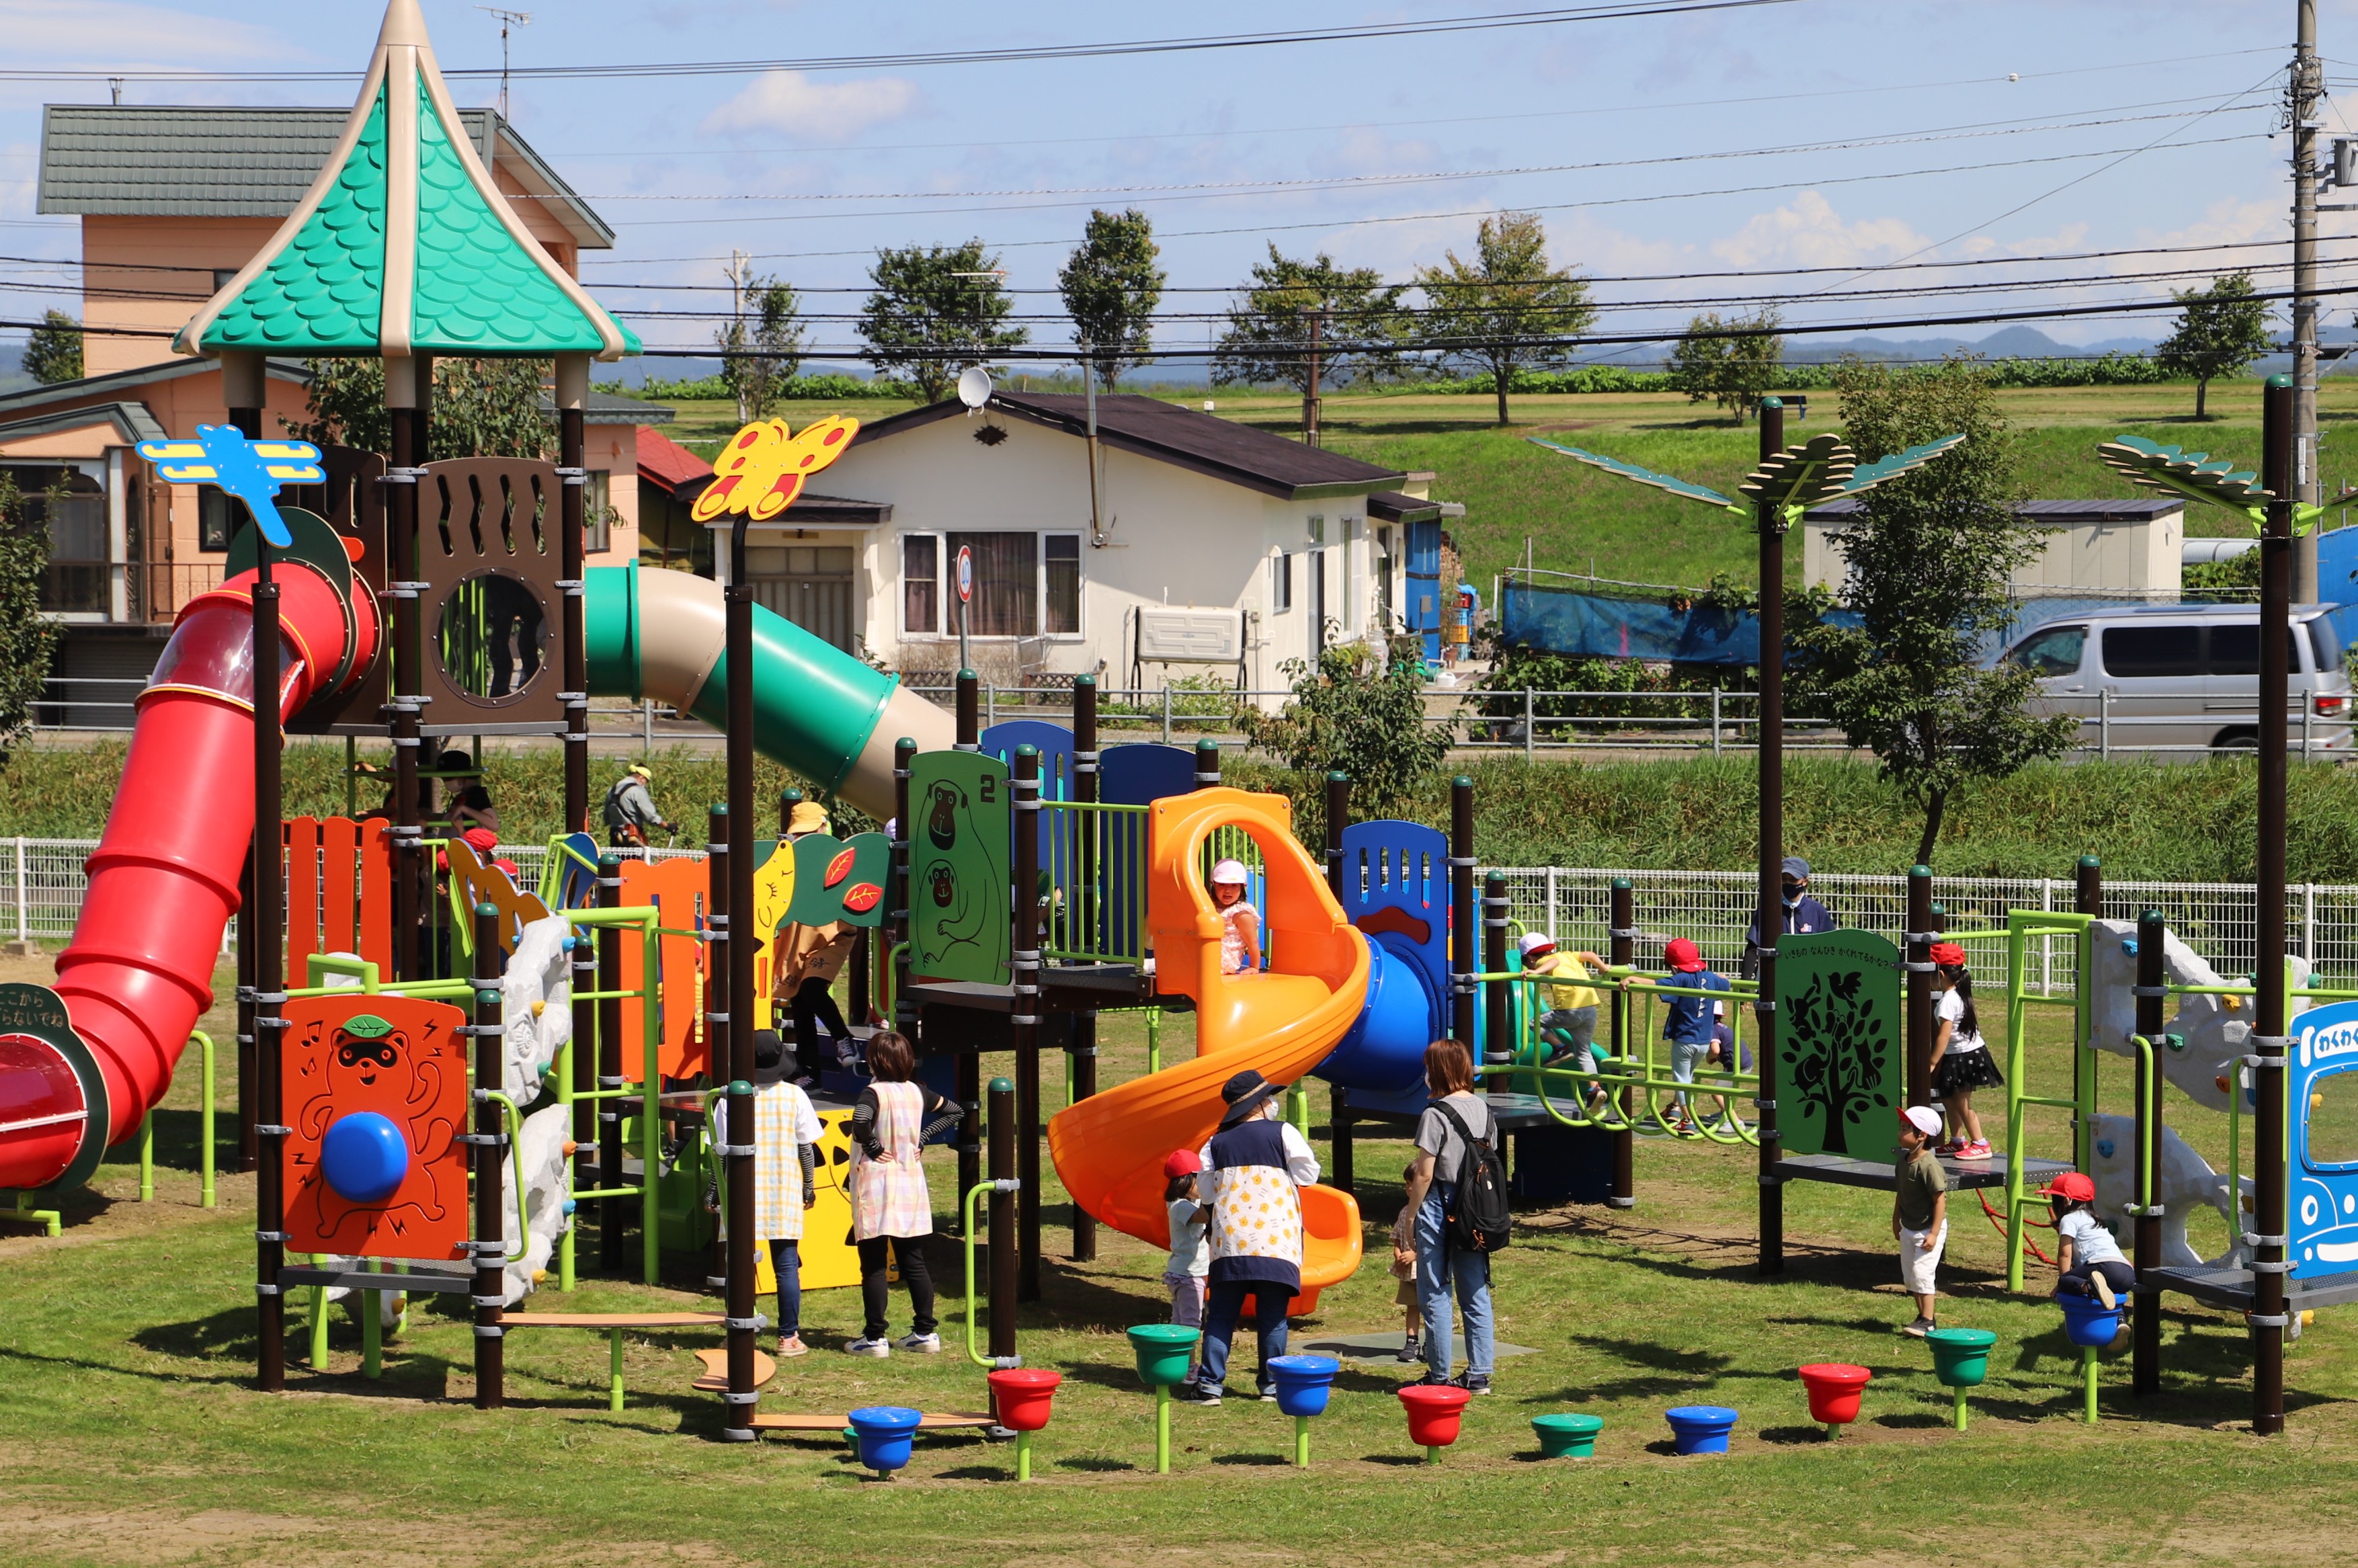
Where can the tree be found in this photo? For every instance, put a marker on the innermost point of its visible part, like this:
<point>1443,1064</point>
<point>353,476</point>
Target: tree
<point>757,359</point>
<point>2222,329</point>
<point>1111,286</point>
<point>27,637</point>
<point>1269,331</point>
<point>1838,1055</point>
<point>1928,555</point>
<point>53,349</point>
<point>1733,371</point>
<point>1358,709</point>
<point>1505,309</point>
<point>482,408</point>
<point>935,312</point>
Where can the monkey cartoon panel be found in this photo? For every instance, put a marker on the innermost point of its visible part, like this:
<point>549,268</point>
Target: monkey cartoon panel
<point>960,913</point>
<point>376,1094</point>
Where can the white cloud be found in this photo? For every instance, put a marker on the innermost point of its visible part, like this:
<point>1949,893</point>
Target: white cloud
<point>790,101</point>
<point>107,32</point>
<point>1808,232</point>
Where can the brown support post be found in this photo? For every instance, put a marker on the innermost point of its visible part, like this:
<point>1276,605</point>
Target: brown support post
<point>1004,1246</point>
<point>572,456</point>
<point>1024,970</point>
<point>744,1327</point>
<point>1338,818</point>
<point>403,470</point>
<point>489,1149</point>
<point>269,985</point>
<point>2269,1264</point>
<point>1464,916</point>
<point>1772,528</point>
<point>2145,1346</point>
<point>1207,764</point>
<point>1918,959</point>
<point>2087,898</point>
<point>1497,1043</point>
<point>610,1077</point>
<point>1084,1084</point>
<point>970,711</point>
<point>717,975</point>
<point>1623,932</point>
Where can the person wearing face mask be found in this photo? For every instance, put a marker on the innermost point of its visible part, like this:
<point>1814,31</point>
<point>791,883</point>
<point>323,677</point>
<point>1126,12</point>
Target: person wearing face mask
<point>1802,913</point>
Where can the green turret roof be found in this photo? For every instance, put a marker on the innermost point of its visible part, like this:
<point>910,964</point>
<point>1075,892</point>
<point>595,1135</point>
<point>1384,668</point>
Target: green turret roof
<point>403,245</point>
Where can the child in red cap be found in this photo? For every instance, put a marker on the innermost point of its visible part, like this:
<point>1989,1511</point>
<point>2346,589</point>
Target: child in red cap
<point>2088,1260</point>
<point>1190,1267</point>
<point>1692,1024</point>
<point>1962,1061</point>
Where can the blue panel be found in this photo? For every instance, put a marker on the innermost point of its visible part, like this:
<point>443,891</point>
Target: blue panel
<point>1144,774</point>
<point>1396,889</point>
<point>1384,1051</point>
<point>1055,744</point>
<point>2324,1217</point>
<point>1424,609</point>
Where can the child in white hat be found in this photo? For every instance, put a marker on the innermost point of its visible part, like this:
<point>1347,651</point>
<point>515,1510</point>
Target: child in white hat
<point>1240,921</point>
<point>1920,1211</point>
<point>1567,1027</point>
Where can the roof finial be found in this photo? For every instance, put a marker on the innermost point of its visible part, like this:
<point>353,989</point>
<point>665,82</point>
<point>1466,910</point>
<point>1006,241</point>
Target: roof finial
<point>405,24</point>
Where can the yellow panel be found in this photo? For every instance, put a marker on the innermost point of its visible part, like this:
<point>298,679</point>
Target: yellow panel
<point>830,1259</point>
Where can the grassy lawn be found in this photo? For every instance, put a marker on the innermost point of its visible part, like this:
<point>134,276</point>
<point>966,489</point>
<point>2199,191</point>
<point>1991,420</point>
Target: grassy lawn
<point>129,1433</point>
<point>1580,520</point>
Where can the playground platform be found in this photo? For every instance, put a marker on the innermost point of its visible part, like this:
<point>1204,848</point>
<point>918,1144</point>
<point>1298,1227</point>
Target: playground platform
<point>2234,1289</point>
<point>1843,1171</point>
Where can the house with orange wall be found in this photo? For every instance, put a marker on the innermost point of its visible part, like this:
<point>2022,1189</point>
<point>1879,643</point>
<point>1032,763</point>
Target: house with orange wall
<point>173,201</point>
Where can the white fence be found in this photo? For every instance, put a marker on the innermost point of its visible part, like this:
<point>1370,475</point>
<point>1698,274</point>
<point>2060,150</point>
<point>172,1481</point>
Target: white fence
<point>41,882</point>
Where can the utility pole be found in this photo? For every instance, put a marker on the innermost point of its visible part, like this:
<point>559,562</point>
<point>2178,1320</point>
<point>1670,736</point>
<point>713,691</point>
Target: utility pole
<point>507,20</point>
<point>738,272</point>
<point>2304,94</point>
<point>1317,317</point>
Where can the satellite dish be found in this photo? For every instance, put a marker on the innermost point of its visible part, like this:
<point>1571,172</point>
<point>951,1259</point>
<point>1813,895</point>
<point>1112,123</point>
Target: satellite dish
<point>974,387</point>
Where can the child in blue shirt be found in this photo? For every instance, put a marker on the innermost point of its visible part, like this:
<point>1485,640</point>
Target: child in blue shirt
<point>1693,1026</point>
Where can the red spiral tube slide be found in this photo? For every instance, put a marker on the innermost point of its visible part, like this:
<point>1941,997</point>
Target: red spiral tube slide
<point>162,881</point>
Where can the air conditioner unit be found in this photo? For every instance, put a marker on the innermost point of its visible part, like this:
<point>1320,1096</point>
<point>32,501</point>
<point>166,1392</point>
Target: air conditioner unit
<point>1190,636</point>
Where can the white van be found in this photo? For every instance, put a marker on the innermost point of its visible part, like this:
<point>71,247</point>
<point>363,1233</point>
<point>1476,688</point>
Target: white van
<point>2185,679</point>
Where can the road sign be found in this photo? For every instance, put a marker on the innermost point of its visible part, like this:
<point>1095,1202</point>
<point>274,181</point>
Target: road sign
<point>965,574</point>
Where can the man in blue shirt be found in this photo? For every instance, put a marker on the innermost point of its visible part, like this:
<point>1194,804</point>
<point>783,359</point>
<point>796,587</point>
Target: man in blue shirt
<point>1801,912</point>
<point>1693,1026</point>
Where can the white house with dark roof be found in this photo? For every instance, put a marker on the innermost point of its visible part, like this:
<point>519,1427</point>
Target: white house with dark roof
<point>1210,548</point>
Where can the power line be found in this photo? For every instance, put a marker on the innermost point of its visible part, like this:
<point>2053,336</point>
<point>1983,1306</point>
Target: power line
<point>1614,10</point>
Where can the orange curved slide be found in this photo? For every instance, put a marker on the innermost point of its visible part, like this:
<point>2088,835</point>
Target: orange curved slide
<point>1110,1148</point>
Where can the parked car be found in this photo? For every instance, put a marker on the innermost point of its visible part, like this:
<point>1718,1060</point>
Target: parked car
<point>2181,678</point>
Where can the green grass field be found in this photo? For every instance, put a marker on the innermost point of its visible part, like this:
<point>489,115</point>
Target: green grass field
<point>1581,521</point>
<point>129,1432</point>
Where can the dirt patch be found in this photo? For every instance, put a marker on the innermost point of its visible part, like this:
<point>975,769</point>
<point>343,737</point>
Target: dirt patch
<point>155,1539</point>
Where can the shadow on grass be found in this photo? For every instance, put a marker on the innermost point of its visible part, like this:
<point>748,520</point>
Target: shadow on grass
<point>1391,1458</point>
<point>1096,1464</point>
<point>1673,1370</point>
<point>179,1138</point>
<point>1255,1460</point>
<point>1787,1436</point>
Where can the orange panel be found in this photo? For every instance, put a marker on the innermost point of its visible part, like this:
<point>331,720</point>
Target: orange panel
<point>679,888</point>
<point>302,837</point>
<point>339,855</point>
<point>376,894</point>
<point>398,1058</point>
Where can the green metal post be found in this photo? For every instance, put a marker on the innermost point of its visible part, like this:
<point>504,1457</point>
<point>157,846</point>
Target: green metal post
<point>371,1327</point>
<point>1024,1455</point>
<point>1162,1429</point>
<point>319,1324</point>
<point>2088,1376</point>
<point>147,1158</point>
<point>1433,1454</point>
<point>614,1370</point>
<point>1961,1407</point>
<point>1155,1040</point>
<point>1302,1442</point>
<point>205,1121</point>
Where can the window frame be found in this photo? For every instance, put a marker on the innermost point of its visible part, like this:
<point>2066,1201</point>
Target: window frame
<point>1280,583</point>
<point>1080,586</point>
<point>937,581</point>
<point>596,508</point>
<point>943,584</point>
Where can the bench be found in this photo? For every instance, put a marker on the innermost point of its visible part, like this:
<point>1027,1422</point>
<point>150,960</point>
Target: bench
<point>614,1323</point>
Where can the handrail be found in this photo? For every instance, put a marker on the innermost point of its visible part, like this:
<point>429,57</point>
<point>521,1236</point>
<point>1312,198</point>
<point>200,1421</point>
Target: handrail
<point>1001,1184</point>
<point>204,1043</point>
<point>513,1120</point>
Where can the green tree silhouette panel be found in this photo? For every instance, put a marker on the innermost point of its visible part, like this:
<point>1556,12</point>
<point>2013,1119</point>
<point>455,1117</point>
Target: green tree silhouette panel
<point>1840,1050</point>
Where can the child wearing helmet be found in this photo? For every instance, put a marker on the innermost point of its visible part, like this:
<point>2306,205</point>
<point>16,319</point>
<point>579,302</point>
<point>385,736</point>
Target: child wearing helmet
<point>1568,1026</point>
<point>2087,1258</point>
<point>1962,1062</point>
<point>1240,921</point>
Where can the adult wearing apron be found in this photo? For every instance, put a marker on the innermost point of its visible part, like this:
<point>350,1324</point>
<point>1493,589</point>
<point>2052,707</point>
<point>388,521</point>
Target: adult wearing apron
<point>890,1204</point>
<point>1254,1169</point>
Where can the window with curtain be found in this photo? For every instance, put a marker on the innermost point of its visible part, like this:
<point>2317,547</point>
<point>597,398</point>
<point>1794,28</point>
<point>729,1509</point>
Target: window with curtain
<point>921,585</point>
<point>597,513</point>
<point>1061,614</point>
<point>1006,583</point>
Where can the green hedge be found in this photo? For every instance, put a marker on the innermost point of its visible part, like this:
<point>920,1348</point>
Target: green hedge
<point>831,387</point>
<point>2104,370</point>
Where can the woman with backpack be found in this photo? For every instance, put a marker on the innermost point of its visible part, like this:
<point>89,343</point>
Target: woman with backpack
<point>1456,1154</point>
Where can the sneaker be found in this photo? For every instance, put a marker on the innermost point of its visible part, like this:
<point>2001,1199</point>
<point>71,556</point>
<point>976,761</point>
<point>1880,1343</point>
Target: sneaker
<point>919,1343</point>
<point>790,1345</point>
<point>879,1349</point>
<point>2104,1292</point>
<point>1921,1328</point>
<point>1430,1382</point>
<point>1977,1150</point>
<point>1269,1394</point>
<point>1472,1383</point>
<point>1409,1352</point>
<point>1952,1148</point>
<point>1200,1393</point>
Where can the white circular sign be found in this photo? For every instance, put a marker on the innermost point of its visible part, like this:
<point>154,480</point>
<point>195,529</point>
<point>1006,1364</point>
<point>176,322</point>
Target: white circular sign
<point>965,574</point>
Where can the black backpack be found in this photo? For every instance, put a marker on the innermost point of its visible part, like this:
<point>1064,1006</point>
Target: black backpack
<point>1479,1220</point>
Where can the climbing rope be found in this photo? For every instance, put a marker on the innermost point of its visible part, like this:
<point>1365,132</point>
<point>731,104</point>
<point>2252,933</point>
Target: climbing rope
<point>1998,1220</point>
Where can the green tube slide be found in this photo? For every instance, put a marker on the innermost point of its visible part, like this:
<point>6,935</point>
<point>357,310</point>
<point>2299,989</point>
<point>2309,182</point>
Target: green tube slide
<point>816,709</point>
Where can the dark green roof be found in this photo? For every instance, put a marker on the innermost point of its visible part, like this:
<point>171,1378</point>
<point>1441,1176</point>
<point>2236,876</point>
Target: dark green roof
<point>138,160</point>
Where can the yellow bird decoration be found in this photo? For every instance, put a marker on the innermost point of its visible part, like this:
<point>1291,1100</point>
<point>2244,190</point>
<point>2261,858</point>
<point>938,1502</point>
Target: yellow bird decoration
<point>762,470</point>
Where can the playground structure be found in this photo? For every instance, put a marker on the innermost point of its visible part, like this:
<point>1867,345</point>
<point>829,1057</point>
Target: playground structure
<point>471,1070</point>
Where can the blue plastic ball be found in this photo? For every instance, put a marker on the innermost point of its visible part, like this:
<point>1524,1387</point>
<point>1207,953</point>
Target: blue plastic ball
<point>364,1157</point>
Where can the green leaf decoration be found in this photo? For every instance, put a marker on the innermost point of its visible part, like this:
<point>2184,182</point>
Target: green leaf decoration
<point>1678,487</point>
<point>2191,474</point>
<point>1868,475</point>
<point>367,1026</point>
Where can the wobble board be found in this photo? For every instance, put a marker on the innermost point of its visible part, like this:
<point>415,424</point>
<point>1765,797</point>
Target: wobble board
<point>715,1379</point>
<point>931,1421</point>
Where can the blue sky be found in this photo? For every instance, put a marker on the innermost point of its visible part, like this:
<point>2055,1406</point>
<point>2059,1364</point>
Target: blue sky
<point>687,169</point>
